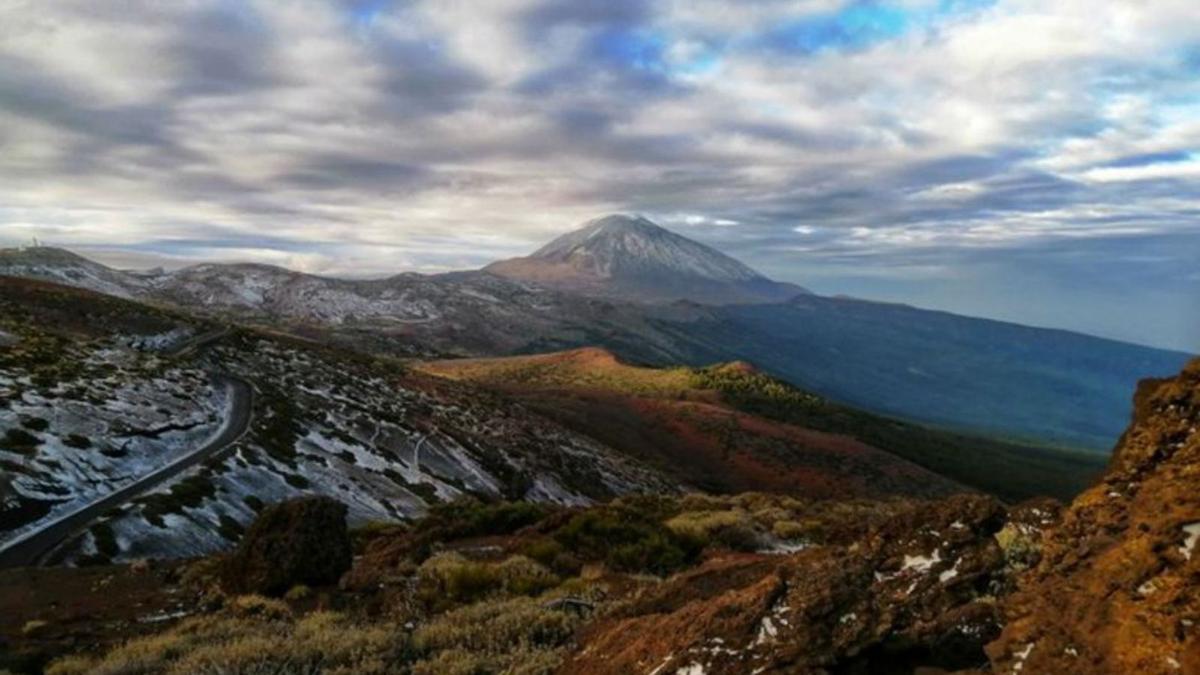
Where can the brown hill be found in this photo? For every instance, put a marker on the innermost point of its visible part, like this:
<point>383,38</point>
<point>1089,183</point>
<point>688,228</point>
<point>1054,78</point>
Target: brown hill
<point>688,423</point>
<point>596,393</point>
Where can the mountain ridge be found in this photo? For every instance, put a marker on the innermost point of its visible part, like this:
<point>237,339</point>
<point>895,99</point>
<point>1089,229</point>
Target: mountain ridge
<point>634,259</point>
<point>979,376</point>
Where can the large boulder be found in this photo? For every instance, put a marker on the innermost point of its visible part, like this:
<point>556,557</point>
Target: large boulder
<point>1117,588</point>
<point>302,541</point>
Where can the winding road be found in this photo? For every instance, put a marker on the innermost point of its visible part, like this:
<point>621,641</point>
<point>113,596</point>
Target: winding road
<point>32,547</point>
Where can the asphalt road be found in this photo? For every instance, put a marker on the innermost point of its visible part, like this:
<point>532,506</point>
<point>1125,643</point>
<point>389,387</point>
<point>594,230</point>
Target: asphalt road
<point>32,547</point>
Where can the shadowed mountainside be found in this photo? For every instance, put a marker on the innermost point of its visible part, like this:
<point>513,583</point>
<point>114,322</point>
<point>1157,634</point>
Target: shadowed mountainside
<point>665,414</point>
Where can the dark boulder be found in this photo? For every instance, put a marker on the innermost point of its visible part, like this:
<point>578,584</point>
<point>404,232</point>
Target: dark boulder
<point>302,541</point>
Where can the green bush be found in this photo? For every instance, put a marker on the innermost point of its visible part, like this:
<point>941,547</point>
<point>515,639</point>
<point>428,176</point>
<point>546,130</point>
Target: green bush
<point>523,576</point>
<point>789,530</point>
<point>731,529</point>
<point>20,441</point>
<point>229,529</point>
<point>517,635</point>
<point>470,517</point>
<point>105,540</point>
<point>448,579</point>
<point>35,424</point>
<point>77,441</point>
<point>627,541</point>
<point>187,493</point>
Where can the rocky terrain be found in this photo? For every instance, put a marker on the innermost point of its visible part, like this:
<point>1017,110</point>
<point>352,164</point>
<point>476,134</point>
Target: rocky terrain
<point>749,583</point>
<point>1116,588</point>
<point>683,585</point>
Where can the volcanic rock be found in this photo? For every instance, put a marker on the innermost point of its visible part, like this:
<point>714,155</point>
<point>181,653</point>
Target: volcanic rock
<point>1117,589</point>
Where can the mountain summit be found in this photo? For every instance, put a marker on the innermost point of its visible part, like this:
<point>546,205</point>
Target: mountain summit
<point>632,258</point>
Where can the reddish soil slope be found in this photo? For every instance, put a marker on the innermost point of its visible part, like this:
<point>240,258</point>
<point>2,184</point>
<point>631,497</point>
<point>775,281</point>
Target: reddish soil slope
<point>660,417</point>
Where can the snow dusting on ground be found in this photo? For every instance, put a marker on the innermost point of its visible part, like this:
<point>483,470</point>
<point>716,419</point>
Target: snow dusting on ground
<point>114,415</point>
<point>384,449</point>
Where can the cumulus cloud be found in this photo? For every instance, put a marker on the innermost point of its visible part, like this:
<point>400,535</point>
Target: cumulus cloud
<point>806,136</point>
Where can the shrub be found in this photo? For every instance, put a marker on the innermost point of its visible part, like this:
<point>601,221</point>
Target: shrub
<point>235,641</point>
<point>35,424</point>
<point>626,541</point>
<point>731,529</point>
<point>297,593</point>
<point>20,441</point>
<point>260,607</point>
<point>105,540</point>
<point>302,541</point>
<point>550,553</point>
<point>788,529</point>
<point>1021,546</point>
<point>695,501</point>
<point>470,517</point>
<point>228,528</point>
<point>519,661</point>
<point>77,441</point>
<point>449,578</point>
<point>497,636</point>
<point>523,576</point>
<point>187,493</point>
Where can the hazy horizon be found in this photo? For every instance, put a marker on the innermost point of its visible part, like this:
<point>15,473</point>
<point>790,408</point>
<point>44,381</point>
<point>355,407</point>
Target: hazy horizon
<point>1026,161</point>
<point>141,262</point>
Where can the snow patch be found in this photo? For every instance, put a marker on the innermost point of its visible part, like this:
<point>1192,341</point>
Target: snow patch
<point>1021,656</point>
<point>784,548</point>
<point>1192,532</point>
<point>921,563</point>
<point>950,573</point>
<point>659,667</point>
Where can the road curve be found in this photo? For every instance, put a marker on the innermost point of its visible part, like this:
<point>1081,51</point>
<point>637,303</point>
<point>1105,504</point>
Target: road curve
<point>29,549</point>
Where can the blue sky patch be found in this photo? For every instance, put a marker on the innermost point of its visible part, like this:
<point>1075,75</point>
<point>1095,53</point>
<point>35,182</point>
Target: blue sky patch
<point>862,24</point>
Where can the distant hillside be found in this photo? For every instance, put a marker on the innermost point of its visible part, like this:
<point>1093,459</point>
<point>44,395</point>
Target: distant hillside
<point>649,411</point>
<point>634,260</point>
<point>1000,379</point>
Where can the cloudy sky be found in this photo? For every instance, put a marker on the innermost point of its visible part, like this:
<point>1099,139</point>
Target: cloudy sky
<point>1033,160</point>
